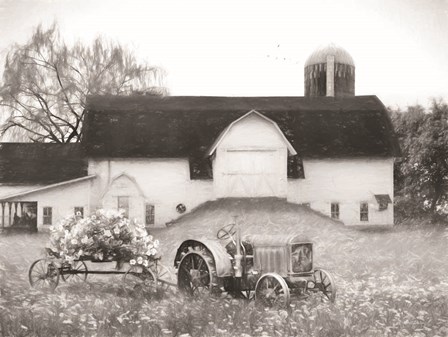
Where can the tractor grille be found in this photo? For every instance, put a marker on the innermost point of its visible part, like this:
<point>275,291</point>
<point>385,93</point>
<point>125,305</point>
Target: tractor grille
<point>302,257</point>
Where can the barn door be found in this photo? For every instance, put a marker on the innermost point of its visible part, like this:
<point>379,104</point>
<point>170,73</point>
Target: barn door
<point>252,173</point>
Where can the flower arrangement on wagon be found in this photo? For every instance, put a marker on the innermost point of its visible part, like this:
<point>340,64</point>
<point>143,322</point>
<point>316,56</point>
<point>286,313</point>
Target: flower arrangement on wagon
<point>104,236</point>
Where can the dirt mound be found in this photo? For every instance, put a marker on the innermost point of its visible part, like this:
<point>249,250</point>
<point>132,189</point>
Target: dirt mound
<point>256,216</point>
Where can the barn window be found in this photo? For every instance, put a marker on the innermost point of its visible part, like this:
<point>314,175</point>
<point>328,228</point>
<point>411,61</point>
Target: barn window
<point>364,211</point>
<point>123,203</point>
<point>295,168</point>
<point>79,211</point>
<point>383,201</point>
<point>47,215</point>
<point>335,210</point>
<point>149,214</point>
<point>201,168</point>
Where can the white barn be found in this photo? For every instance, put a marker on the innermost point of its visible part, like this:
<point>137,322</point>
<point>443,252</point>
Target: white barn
<point>160,157</point>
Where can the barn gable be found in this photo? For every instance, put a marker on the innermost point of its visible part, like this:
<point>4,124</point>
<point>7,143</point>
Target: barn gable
<point>250,158</point>
<point>123,192</point>
<point>253,131</point>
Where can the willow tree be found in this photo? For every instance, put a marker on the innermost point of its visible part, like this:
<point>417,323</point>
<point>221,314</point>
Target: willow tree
<point>46,82</point>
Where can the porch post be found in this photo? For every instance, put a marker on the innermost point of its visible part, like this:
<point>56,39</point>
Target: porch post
<point>10,217</point>
<point>3,214</point>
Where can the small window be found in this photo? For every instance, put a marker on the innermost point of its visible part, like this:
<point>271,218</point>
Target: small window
<point>335,210</point>
<point>123,203</point>
<point>383,206</point>
<point>149,214</point>
<point>47,215</point>
<point>383,201</point>
<point>364,211</point>
<point>79,212</point>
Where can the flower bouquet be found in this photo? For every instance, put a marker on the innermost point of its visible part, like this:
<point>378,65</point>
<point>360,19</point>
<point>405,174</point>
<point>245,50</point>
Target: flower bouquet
<point>104,236</point>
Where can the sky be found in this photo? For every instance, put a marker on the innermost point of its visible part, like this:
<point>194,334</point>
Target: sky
<point>258,48</point>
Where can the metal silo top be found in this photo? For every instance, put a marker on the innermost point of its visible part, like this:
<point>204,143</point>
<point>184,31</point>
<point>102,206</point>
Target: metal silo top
<point>321,53</point>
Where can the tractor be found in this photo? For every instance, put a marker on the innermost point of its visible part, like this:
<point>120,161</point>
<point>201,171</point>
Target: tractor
<point>269,268</point>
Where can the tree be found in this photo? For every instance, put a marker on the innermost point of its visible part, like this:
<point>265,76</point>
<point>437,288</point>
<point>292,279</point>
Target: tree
<point>422,172</point>
<point>46,82</point>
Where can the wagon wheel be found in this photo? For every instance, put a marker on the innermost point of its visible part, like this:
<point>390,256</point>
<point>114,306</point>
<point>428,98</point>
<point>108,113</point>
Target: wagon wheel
<point>139,279</point>
<point>226,232</point>
<point>324,282</point>
<point>196,274</point>
<point>272,291</point>
<point>44,274</point>
<point>162,273</point>
<point>75,272</point>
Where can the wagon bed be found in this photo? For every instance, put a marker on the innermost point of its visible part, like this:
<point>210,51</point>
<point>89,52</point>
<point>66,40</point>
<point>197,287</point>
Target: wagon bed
<point>47,271</point>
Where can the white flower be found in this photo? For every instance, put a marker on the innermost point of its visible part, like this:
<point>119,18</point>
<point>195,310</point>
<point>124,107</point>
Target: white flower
<point>107,233</point>
<point>85,239</point>
<point>93,217</point>
<point>153,251</point>
<point>69,259</point>
<point>139,260</point>
<point>52,228</point>
<point>150,238</point>
<point>74,241</point>
<point>132,262</point>
<point>145,263</point>
<point>117,230</point>
<point>156,243</point>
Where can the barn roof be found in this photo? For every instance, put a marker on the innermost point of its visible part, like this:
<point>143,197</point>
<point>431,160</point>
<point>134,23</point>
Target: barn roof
<point>41,163</point>
<point>186,126</point>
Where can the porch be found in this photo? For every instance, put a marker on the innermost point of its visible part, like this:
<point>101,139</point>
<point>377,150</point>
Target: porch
<point>18,216</point>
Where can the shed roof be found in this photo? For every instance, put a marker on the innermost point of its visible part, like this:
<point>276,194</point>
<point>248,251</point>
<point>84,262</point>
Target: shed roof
<point>186,126</point>
<point>41,163</point>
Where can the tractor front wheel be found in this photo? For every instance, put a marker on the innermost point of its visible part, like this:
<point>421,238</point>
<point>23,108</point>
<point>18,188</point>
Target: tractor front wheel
<point>272,291</point>
<point>324,283</point>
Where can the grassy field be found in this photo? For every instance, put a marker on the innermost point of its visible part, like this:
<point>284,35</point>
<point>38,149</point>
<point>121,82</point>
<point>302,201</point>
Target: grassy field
<point>390,283</point>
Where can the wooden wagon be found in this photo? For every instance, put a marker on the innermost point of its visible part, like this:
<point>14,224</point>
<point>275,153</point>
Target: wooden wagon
<point>46,272</point>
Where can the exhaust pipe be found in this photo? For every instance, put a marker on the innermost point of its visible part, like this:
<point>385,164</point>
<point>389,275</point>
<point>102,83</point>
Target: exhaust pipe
<point>238,257</point>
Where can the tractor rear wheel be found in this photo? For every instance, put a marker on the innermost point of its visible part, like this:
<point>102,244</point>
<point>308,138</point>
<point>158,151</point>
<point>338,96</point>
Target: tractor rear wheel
<point>197,273</point>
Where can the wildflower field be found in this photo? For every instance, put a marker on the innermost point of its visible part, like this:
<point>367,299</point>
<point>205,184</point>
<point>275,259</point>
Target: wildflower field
<point>390,283</point>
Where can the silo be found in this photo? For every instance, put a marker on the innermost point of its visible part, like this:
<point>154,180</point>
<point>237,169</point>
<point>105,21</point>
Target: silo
<point>330,71</point>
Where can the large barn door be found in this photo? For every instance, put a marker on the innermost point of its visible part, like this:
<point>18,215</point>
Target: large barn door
<point>252,173</point>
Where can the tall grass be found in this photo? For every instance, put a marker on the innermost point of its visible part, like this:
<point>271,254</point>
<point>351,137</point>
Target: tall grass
<point>390,283</point>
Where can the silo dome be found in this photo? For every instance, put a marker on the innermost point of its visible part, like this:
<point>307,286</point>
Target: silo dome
<point>330,71</point>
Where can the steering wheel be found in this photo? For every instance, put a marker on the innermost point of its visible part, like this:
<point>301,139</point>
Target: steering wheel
<point>226,232</point>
